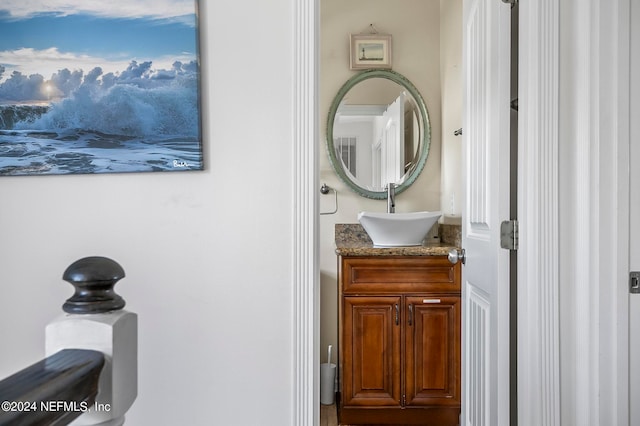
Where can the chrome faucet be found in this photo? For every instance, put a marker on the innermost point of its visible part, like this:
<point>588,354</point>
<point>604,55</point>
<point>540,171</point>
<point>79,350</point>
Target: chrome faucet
<point>391,197</point>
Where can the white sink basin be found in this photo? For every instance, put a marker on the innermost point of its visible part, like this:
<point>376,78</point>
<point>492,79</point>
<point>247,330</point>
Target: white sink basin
<point>397,229</point>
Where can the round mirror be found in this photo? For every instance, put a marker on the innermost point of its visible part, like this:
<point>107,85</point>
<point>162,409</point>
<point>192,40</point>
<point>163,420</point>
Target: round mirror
<point>378,133</point>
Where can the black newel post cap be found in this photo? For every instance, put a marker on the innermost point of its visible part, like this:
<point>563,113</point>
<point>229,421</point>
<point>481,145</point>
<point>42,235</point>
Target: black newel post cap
<point>93,279</point>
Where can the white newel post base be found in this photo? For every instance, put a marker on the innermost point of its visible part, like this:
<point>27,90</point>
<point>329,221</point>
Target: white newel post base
<point>94,319</point>
<point>116,335</point>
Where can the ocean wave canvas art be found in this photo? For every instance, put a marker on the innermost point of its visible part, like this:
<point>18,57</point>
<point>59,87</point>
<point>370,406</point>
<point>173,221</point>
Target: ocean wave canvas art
<point>99,87</point>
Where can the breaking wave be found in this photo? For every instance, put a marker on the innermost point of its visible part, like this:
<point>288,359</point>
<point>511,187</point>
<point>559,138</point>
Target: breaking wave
<point>123,109</point>
<point>12,114</point>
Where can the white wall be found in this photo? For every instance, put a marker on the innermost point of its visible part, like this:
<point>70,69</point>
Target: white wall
<point>451,78</point>
<point>207,254</point>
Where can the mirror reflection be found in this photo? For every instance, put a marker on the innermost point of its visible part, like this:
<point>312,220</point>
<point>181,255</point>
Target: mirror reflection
<point>378,132</point>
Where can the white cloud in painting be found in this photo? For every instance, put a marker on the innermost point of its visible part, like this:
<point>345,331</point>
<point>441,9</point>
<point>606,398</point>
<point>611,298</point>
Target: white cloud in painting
<point>44,74</point>
<point>155,9</point>
<point>49,61</point>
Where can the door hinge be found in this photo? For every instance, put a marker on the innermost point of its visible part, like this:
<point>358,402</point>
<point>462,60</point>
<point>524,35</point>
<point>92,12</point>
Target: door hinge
<point>634,282</point>
<point>509,235</point>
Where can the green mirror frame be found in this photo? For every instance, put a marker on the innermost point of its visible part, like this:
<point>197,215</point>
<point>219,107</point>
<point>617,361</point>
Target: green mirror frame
<point>425,142</point>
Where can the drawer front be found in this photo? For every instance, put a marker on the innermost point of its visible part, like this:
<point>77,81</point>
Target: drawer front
<point>380,274</point>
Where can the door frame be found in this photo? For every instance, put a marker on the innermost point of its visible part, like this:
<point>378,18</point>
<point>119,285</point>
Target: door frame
<point>633,231</point>
<point>593,186</point>
<point>538,380</point>
<point>550,225</point>
<point>305,253</point>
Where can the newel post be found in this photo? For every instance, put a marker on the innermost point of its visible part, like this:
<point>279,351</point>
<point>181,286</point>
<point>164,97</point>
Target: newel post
<point>94,318</point>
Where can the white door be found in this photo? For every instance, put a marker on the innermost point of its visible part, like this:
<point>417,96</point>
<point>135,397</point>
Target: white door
<point>634,214</point>
<point>485,277</point>
<point>393,148</point>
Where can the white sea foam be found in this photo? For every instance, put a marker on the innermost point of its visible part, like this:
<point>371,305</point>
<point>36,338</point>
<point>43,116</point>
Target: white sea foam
<point>71,152</point>
<point>126,109</point>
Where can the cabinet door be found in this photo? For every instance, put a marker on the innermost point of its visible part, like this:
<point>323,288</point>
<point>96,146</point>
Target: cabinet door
<point>371,351</point>
<point>432,362</point>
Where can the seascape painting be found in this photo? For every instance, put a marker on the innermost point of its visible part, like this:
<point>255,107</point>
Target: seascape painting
<point>99,87</point>
<point>371,51</point>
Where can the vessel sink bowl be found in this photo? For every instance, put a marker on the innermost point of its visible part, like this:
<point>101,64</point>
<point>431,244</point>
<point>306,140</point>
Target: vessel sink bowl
<point>397,229</point>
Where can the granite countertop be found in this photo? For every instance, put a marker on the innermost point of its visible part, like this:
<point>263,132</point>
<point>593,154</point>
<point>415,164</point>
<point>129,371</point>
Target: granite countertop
<point>352,240</point>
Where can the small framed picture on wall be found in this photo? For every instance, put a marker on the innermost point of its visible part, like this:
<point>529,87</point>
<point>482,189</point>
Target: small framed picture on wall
<point>370,51</point>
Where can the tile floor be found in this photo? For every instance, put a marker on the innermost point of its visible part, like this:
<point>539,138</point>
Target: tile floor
<point>328,415</point>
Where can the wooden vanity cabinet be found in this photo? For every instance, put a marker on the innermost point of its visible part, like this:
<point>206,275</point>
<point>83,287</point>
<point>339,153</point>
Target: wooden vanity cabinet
<point>399,340</point>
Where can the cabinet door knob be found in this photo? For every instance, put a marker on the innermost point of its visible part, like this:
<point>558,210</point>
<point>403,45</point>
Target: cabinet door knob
<point>397,314</point>
<point>455,255</point>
